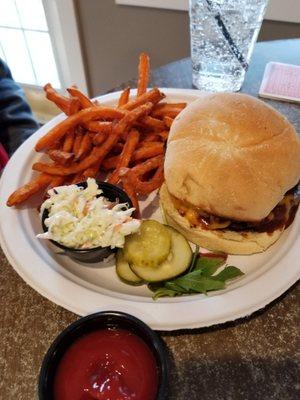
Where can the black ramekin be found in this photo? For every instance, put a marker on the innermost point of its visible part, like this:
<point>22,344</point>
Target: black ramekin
<point>102,320</point>
<point>96,254</point>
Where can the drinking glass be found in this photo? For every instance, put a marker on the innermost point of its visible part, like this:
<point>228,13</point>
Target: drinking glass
<point>223,34</point>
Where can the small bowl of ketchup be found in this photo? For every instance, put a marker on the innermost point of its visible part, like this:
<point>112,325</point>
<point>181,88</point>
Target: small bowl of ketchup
<point>107,355</point>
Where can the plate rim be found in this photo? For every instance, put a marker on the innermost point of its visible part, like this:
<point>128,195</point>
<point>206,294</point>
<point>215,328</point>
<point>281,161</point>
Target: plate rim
<point>148,317</point>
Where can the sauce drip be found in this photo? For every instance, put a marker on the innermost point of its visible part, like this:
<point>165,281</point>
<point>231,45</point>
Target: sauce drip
<point>109,364</point>
<point>280,217</point>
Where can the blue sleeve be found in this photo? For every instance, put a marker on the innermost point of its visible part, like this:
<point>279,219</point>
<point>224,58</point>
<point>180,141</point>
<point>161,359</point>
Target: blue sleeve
<point>16,120</point>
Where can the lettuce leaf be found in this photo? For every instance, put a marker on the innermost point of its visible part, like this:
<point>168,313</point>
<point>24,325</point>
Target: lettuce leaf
<point>200,278</point>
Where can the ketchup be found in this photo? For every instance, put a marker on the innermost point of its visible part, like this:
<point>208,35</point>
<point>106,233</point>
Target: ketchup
<point>108,364</point>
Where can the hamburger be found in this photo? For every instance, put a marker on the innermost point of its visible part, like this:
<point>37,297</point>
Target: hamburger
<point>232,167</point>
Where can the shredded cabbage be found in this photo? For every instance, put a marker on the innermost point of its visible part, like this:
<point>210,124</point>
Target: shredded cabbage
<point>79,219</point>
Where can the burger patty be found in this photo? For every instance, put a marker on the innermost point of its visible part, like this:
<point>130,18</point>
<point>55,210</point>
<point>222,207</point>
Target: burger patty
<point>280,217</point>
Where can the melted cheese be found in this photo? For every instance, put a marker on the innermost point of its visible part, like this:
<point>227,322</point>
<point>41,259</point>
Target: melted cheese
<point>197,217</point>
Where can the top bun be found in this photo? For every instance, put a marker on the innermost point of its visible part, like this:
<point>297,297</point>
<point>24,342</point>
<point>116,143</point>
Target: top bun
<point>232,155</point>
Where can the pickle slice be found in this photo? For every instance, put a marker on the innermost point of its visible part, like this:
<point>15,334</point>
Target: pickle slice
<point>124,272</point>
<point>177,262</point>
<point>150,246</point>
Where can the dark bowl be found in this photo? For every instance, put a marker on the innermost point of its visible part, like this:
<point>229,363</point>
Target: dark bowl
<point>102,320</point>
<point>96,254</point>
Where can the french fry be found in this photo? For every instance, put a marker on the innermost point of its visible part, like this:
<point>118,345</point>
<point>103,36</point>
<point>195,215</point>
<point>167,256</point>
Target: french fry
<point>148,151</point>
<point>96,156</point>
<point>152,123</point>
<point>74,106</point>
<point>146,121</point>
<point>53,169</point>
<point>72,121</point>
<point>56,145</point>
<point>83,99</point>
<point>60,101</point>
<point>154,96</point>
<point>172,113</point>
<point>98,153</point>
<point>150,137</point>
<point>107,146</point>
<point>129,189</point>
<point>85,146</point>
<point>126,155</point>
<point>128,140</point>
<point>68,179</point>
<point>167,110</point>
<point>26,191</point>
<point>69,141</point>
<point>56,181</point>
<point>168,121</point>
<point>99,138</point>
<point>118,147</point>
<point>77,142</point>
<point>61,157</point>
<point>143,74</point>
<point>142,187</point>
<point>144,144</point>
<point>99,126</point>
<point>91,172</point>
<point>124,98</point>
<point>128,121</point>
<point>168,106</point>
<point>163,135</point>
<point>110,163</point>
<point>145,188</point>
<point>77,178</point>
<point>148,165</point>
<point>125,124</point>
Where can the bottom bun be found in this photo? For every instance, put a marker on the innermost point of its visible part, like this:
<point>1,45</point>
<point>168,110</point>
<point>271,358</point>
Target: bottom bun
<point>224,240</point>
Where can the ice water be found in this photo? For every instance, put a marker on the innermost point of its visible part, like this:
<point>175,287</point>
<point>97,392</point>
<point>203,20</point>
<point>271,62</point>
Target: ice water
<point>223,34</point>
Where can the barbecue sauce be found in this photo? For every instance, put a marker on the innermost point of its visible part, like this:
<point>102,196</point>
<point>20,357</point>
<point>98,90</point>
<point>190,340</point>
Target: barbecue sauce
<point>280,217</point>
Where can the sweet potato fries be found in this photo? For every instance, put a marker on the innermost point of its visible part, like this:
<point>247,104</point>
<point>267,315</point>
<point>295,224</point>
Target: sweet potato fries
<point>126,142</point>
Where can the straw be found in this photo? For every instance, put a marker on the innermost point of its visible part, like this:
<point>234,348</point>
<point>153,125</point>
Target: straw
<point>233,47</point>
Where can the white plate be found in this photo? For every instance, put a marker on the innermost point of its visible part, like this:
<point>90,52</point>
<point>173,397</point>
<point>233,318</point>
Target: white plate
<point>85,289</point>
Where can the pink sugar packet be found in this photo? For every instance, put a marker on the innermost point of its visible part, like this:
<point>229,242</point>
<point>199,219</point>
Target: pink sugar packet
<point>281,82</point>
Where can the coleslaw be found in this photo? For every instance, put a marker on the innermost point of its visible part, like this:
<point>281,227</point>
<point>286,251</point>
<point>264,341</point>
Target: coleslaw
<point>82,219</point>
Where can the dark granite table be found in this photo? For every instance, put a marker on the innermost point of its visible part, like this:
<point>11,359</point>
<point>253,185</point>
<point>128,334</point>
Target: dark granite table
<point>255,358</point>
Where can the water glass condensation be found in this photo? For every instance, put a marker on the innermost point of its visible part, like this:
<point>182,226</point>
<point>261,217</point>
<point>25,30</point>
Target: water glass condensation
<point>223,34</point>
